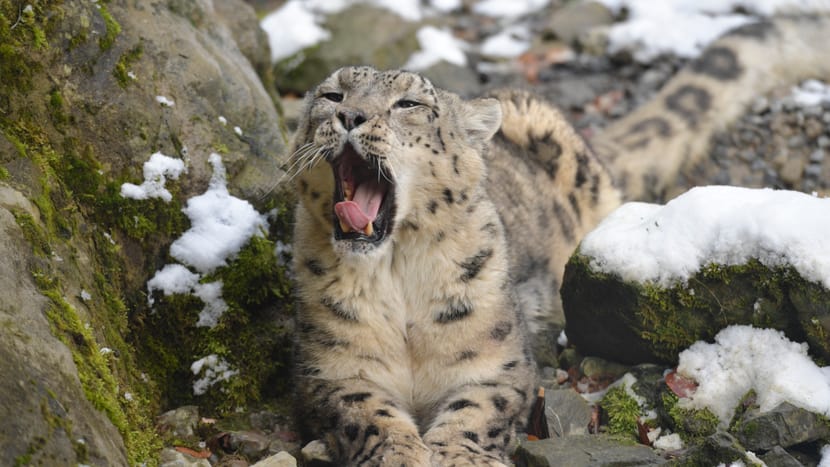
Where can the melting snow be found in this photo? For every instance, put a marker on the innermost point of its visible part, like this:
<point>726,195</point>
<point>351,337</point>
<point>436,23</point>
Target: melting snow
<point>156,172</point>
<point>214,370</point>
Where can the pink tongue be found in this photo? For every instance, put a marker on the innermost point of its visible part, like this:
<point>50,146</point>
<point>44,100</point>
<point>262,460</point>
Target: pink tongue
<point>363,208</point>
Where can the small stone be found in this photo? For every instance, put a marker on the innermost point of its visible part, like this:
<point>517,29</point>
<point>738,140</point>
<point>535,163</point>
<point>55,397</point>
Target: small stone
<point>813,171</point>
<point>250,444</point>
<point>817,156</point>
<point>576,18</point>
<point>748,155</point>
<point>315,451</point>
<point>181,422</point>
<point>780,457</point>
<point>823,141</point>
<point>796,141</point>
<point>786,425</point>
<point>791,171</point>
<point>281,459</point>
<point>760,105</point>
<point>567,412</point>
<point>170,457</point>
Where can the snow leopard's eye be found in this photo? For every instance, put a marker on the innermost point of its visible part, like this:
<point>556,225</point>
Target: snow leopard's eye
<point>407,104</point>
<point>334,96</point>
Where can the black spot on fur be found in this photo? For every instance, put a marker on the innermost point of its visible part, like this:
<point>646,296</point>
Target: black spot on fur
<point>582,169</point>
<point>448,198</point>
<point>315,195</point>
<point>689,102</point>
<point>575,205</point>
<point>546,151</point>
<point>718,62</point>
<point>640,133</point>
<point>372,430</point>
<point>500,403</point>
<point>472,265</point>
<point>501,330</point>
<point>356,397</point>
<point>455,164</point>
<point>461,404</point>
<point>471,436</point>
<point>338,309</point>
<point>510,365</point>
<point>457,310</point>
<point>432,206</point>
<point>351,431</point>
<point>466,355</point>
<point>382,413</point>
<point>315,267</point>
<point>495,431</point>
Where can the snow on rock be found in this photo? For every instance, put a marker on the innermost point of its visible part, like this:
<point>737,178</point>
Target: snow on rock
<point>508,8</point>
<point>686,27</point>
<point>511,42</point>
<point>291,29</point>
<point>156,172</point>
<point>744,358</point>
<point>811,93</point>
<point>214,370</point>
<point>436,45</point>
<point>825,456</point>
<point>717,224</point>
<point>221,225</point>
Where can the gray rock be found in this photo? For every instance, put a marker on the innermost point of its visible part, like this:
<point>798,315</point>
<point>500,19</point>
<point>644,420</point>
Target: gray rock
<point>47,420</point>
<point>315,453</point>
<point>250,444</point>
<point>567,412</point>
<point>170,457</point>
<point>719,448</point>
<point>180,422</point>
<point>585,450</point>
<point>629,322</point>
<point>361,34</point>
<point>778,457</point>
<point>574,19</point>
<point>785,426</point>
<point>458,79</point>
<point>281,459</point>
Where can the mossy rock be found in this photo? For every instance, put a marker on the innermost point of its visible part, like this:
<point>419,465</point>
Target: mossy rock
<point>79,117</point>
<point>635,322</point>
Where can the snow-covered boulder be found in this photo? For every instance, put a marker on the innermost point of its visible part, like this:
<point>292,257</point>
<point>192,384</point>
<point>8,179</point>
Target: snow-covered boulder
<point>651,280</point>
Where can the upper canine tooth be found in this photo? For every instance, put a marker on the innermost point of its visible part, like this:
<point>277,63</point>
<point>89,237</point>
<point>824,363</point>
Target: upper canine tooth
<point>345,227</point>
<point>369,230</point>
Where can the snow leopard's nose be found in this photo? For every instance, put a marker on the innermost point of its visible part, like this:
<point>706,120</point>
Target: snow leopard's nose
<point>350,118</point>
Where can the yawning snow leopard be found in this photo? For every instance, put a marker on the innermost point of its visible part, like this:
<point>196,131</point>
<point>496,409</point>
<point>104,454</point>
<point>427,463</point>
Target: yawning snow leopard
<point>431,234</point>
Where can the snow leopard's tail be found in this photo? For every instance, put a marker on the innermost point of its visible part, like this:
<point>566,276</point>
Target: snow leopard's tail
<point>649,148</point>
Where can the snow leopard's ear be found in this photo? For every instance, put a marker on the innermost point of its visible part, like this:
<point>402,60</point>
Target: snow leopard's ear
<point>481,118</point>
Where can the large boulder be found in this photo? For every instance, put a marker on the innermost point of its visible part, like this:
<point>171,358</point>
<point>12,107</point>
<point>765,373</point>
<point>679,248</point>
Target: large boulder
<point>652,280</point>
<point>88,91</point>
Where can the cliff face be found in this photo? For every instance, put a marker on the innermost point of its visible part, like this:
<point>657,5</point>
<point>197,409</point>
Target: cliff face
<point>88,91</point>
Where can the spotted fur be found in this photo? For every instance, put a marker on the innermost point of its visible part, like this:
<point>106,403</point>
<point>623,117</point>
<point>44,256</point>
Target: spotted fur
<point>415,350</point>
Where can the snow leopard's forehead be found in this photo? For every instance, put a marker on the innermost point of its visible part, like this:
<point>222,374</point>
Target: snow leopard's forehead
<point>368,81</point>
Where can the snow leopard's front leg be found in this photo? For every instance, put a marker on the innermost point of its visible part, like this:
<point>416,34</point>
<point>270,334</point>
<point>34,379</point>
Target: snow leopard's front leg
<point>363,425</point>
<point>477,424</point>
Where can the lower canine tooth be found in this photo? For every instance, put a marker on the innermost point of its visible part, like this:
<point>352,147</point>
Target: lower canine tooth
<point>345,228</point>
<point>369,230</point>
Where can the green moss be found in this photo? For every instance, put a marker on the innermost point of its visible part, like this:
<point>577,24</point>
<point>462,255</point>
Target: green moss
<point>125,63</point>
<point>689,423</point>
<point>623,411</point>
<point>113,29</point>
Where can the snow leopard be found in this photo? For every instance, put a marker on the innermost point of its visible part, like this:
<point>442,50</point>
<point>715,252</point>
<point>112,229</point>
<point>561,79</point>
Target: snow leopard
<point>432,232</point>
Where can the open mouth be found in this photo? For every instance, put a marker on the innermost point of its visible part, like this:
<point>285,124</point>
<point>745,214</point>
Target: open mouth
<point>364,198</point>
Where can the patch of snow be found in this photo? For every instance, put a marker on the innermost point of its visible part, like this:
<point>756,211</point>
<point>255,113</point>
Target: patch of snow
<point>165,101</point>
<point>562,339</point>
<point>128,396</point>
<point>716,224</point>
<point>220,225</point>
<point>508,8</point>
<point>446,6</point>
<point>85,296</point>
<point>744,358</point>
<point>223,120</point>
<point>215,306</point>
<point>237,130</point>
<point>172,279</point>
<point>671,442</point>
<point>811,93</point>
<point>214,370</point>
<point>105,350</point>
<point>292,28</point>
<point>825,456</point>
<point>511,42</point>
<point>132,76</point>
<point>156,172</point>
<point>686,27</point>
<point>436,45</point>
